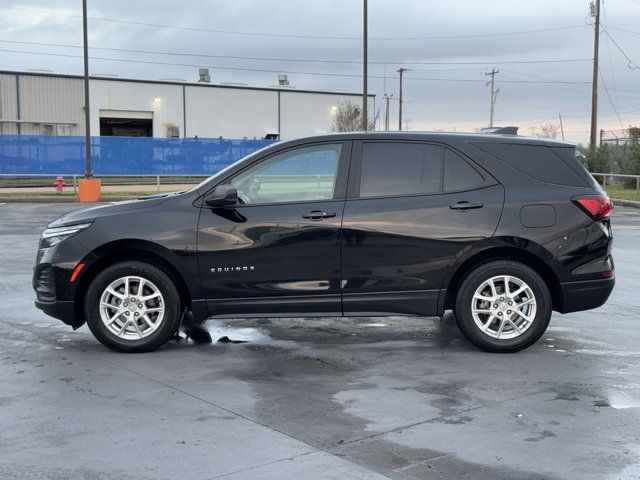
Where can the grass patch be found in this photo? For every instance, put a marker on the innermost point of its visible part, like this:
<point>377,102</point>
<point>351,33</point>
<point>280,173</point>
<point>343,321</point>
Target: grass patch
<point>623,193</point>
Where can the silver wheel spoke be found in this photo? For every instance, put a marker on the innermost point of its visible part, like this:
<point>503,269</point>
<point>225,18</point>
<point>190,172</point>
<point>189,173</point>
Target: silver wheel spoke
<point>502,322</point>
<point>506,285</point>
<point>150,297</point>
<point>148,321</point>
<point>492,284</point>
<point>111,291</point>
<point>514,326</point>
<point>486,325</point>
<point>523,316</point>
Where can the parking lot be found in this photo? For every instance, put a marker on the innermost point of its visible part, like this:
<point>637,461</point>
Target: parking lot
<point>318,398</point>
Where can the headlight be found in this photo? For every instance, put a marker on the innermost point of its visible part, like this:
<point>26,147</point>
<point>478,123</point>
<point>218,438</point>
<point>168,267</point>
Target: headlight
<point>53,236</point>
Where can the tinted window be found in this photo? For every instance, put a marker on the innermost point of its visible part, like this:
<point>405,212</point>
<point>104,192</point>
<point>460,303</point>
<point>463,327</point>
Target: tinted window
<point>400,169</point>
<point>298,175</point>
<point>569,155</point>
<point>537,161</point>
<point>458,174</point>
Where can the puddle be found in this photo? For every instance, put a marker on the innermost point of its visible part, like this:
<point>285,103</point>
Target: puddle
<point>231,334</point>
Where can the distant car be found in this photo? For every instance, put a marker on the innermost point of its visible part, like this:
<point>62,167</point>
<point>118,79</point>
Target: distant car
<point>501,229</point>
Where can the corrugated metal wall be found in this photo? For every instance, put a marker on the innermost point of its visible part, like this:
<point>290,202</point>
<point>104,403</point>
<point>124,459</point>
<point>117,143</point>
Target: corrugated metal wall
<point>212,111</point>
<point>8,105</point>
<point>49,99</point>
<point>230,112</point>
<point>303,114</point>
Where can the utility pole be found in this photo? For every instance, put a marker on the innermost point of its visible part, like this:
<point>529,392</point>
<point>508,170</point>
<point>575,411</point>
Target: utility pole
<point>594,83</point>
<point>494,93</point>
<point>87,123</point>
<point>401,72</point>
<point>386,111</point>
<point>365,117</point>
<point>561,126</point>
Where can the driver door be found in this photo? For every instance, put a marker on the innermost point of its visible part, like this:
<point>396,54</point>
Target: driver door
<point>277,251</point>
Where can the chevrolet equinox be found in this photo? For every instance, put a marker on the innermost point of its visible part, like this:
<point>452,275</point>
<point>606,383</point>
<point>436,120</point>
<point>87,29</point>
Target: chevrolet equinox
<point>499,228</point>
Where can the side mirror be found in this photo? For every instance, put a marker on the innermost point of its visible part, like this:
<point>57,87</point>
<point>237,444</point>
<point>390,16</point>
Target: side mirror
<point>222,196</point>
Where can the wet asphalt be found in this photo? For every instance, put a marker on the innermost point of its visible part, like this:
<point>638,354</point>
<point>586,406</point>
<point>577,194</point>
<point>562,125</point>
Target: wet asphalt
<point>368,398</point>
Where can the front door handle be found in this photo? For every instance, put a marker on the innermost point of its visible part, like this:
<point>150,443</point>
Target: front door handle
<point>318,215</point>
<point>466,205</point>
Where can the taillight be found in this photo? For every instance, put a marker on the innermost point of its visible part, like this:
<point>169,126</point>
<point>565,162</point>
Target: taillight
<point>598,206</point>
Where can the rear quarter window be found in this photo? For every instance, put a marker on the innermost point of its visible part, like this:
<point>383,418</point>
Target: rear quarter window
<point>536,161</point>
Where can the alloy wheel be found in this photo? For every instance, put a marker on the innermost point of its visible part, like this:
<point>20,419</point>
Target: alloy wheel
<point>132,308</point>
<point>503,307</point>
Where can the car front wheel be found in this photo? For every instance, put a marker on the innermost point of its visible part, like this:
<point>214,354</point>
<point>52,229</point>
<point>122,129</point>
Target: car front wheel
<point>132,307</point>
<point>503,306</point>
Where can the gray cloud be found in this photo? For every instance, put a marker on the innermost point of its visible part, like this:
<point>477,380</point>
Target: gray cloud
<point>430,103</point>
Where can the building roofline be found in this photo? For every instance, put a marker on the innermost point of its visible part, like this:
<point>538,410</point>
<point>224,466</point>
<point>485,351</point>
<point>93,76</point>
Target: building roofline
<point>189,84</point>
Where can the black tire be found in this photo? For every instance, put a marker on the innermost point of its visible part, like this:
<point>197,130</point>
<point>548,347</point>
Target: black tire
<point>172,307</point>
<point>465,295</point>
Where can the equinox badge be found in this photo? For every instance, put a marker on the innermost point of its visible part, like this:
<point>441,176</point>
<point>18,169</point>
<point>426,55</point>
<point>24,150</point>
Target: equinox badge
<point>244,268</point>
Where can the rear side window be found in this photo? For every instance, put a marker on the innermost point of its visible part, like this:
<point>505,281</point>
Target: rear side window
<point>458,174</point>
<point>568,156</point>
<point>395,168</point>
<point>537,161</point>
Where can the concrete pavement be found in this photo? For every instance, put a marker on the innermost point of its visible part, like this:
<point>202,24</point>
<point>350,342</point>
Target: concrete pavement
<point>367,398</point>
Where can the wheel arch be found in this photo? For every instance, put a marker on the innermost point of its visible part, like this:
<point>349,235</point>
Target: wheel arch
<point>124,250</point>
<point>505,250</point>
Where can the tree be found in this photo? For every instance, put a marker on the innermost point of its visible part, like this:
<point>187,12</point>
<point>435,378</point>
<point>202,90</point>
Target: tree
<point>548,130</point>
<point>630,161</point>
<point>348,118</point>
<point>600,160</point>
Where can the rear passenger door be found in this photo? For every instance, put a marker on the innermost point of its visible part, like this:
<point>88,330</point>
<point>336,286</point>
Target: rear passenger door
<point>411,209</point>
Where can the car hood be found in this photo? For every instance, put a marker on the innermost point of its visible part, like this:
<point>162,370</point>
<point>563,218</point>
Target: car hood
<point>113,208</point>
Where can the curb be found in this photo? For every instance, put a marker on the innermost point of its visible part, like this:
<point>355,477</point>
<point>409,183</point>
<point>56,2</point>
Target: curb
<point>625,203</point>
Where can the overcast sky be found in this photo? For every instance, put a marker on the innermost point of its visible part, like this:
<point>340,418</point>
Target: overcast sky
<point>451,95</point>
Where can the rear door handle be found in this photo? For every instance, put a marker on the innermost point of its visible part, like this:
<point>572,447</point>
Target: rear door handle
<point>318,215</point>
<point>466,205</point>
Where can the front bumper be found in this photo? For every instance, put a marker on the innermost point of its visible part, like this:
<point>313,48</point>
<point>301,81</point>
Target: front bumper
<point>62,310</point>
<point>585,295</point>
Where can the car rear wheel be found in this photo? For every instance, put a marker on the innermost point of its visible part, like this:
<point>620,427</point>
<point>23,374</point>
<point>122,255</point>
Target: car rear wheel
<point>503,306</point>
<point>132,307</point>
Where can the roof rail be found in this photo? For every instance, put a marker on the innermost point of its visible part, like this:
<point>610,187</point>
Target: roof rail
<point>501,130</point>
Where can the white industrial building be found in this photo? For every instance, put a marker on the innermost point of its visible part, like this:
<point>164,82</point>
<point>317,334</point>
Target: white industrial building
<point>52,104</point>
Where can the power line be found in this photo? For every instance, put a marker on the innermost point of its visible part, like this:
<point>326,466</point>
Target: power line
<point>293,72</point>
<point>287,35</point>
<point>606,90</point>
<point>630,63</point>
<point>276,59</point>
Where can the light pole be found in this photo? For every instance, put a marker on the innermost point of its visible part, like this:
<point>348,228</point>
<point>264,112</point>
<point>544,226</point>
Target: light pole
<point>88,187</point>
<point>365,117</point>
<point>87,123</point>
<point>401,72</point>
<point>386,111</point>
<point>594,84</point>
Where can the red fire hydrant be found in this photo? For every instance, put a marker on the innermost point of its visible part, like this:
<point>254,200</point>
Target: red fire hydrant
<point>60,184</point>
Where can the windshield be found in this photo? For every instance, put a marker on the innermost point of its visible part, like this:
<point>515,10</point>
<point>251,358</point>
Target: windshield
<point>210,181</point>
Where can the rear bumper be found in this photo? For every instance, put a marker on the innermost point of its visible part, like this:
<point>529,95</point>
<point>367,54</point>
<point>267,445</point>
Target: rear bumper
<point>62,310</point>
<point>585,295</point>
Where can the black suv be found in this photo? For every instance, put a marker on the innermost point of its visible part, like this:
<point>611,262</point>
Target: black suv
<point>501,229</point>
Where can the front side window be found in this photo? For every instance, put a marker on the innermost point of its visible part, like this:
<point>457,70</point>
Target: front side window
<point>303,174</point>
<point>395,168</point>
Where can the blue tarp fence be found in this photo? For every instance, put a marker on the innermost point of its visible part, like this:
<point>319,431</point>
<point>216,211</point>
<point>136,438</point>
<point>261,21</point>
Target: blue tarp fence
<point>62,155</point>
